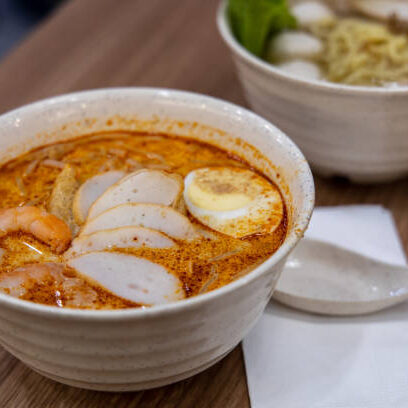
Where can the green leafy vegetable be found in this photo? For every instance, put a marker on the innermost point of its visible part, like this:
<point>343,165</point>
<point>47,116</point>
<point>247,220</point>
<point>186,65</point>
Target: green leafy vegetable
<point>253,22</point>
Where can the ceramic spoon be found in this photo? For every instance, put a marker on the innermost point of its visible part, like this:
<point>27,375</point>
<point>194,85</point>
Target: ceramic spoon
<point>325,279</point>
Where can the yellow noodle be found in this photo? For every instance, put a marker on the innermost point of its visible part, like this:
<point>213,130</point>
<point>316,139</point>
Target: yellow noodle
<point>358,52</point>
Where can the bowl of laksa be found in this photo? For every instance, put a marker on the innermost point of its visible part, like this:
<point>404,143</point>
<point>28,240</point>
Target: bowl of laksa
<point>142,232</point>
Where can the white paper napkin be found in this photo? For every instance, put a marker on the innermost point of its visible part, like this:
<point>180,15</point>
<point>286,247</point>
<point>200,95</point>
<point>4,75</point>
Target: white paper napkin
<point>296,360</point>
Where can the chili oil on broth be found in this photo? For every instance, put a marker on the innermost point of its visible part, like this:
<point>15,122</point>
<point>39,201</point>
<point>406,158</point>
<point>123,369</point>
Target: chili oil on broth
<point>201,265</point>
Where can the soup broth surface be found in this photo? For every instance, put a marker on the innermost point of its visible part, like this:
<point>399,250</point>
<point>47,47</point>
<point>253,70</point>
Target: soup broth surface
<point>201,265</point>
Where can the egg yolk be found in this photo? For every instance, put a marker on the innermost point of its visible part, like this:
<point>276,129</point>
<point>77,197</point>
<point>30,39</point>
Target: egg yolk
<point>225,189</point>
<point>209,200</point>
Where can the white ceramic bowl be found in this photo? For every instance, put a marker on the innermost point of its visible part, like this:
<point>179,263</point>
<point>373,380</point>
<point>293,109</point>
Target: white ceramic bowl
<point>352,131</point>
<point>143,348</point>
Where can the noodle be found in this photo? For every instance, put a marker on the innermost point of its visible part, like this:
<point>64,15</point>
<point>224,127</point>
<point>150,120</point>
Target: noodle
<point>358,52</point>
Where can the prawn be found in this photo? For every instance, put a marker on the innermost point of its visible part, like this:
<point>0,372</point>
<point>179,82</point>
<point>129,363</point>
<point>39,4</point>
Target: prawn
<point>46,227</point>
<point>69,290</point>
<point>16,282</point>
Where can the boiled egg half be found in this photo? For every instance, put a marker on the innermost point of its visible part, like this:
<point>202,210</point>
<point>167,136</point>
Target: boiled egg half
<point>234,201</point>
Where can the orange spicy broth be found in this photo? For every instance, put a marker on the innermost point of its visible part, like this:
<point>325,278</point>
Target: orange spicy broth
<point>201,265</point>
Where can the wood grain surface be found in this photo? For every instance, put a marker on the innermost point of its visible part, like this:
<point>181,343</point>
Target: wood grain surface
<point>163,43</point>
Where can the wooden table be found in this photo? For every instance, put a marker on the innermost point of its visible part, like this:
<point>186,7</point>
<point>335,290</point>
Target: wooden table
<point>162,43</point>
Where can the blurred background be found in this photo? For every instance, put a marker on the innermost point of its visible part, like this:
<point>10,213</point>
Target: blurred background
<point>19,17</point>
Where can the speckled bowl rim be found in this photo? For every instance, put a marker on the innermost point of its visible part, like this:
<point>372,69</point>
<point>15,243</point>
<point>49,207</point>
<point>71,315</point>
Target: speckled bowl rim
<point>304,173</point>
<point>269,69</point>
